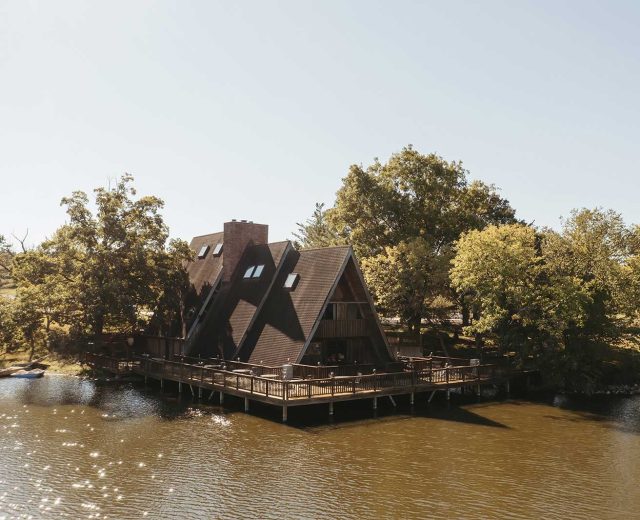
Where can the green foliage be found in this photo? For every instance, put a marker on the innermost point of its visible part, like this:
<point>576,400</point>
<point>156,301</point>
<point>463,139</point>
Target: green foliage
<point>402,218</point>
<point>6,259</point>
<point>316,231</point>
<point>412,196</point>
<point>406,281</point>
<point>103,271</point>
<point>567,298</point>
<point>518,296</point>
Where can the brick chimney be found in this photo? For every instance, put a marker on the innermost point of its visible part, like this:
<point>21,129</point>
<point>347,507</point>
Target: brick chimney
<point>238,234</point>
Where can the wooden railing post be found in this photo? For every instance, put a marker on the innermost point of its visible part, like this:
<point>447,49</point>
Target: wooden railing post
<point>266,388</point>
<point>309,389</point>
<point>285,394</point>
<point>353,385</point>
<point>333,383</point>
<point>251,384</point>
<point>446,375</point>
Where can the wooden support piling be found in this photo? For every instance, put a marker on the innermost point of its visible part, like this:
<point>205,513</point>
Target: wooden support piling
<point>330,407</point>
<point>375,403</point>
<point>246,404</point>
<point>412,398</point>
<point>221,397</point>
<point>284,413</point>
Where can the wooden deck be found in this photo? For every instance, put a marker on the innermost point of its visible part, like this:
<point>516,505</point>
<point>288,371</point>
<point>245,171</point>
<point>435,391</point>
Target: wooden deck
<point>264,384</point>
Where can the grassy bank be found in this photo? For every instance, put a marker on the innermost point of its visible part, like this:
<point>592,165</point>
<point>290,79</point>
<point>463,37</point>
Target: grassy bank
<point>57,364</point>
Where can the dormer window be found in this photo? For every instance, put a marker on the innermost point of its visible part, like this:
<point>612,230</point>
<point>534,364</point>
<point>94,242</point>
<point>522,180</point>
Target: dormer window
<point>203,251</point>
<point>291,281</point>
<point>253,272</point>
<point>217,250</point>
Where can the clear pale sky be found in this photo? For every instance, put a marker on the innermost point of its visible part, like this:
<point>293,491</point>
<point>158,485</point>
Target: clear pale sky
<point>255,110</point>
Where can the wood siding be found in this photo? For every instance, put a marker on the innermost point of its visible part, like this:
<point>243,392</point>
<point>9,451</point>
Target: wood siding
<point>344,328</point>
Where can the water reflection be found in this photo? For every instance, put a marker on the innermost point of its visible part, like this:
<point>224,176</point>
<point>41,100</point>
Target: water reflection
<point>71,448</point>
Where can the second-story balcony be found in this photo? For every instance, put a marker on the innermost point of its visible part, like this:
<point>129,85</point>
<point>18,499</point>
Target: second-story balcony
<point>343,328</point>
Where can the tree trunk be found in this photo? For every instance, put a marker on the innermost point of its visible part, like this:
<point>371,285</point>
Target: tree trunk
<point>98,328</point>
<point>443,344</point>
<point>479,342</point>
<point>465,311</point>
<point>32,343</point>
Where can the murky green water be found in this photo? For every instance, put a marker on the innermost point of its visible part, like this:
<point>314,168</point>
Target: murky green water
<point>70,448</point>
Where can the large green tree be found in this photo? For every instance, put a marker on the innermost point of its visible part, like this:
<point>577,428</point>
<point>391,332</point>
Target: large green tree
<point>521,299</point>
<point>105,270</point>
<point>568,298</point>
<point>402,218</point>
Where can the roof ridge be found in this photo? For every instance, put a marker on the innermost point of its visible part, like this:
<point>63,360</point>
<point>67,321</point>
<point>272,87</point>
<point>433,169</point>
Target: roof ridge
<point>348,246</point>
<point>207,234</point>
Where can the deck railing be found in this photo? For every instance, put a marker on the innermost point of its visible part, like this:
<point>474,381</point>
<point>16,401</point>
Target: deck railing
<point>269,387</point>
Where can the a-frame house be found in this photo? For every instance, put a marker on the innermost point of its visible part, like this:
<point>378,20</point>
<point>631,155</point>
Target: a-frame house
<point>267,303</point>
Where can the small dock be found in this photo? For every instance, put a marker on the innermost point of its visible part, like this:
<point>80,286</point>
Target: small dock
<point>300,385</point>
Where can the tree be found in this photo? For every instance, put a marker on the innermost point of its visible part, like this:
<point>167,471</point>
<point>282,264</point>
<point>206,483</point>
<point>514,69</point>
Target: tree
<point>316,231</point>
<point>102,271</point>
<point>7,324</point>
<point>406,281</point>
<point>28,318</point>
<point>413,203</point>
<point>520,298</point>
<point>412,195</point>
<point>114,257</point>
<point>6,259</point>
<point>169,316</point>
<point>597,247</point>
<point>44,288</point>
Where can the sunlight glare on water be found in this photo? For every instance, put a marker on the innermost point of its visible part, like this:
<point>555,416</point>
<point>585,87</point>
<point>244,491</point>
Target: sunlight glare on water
<point>76,449</point>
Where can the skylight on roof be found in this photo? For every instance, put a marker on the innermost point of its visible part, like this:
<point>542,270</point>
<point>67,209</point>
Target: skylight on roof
<point>258,271</point>
<point>249,272</point>
<point>291,280</point>
<point>217,250</point>
<point>203,251</point>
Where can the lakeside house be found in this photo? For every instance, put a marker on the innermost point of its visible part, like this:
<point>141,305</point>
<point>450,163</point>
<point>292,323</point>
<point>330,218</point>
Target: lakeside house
<point>268,323</point>
<point>267,303</point>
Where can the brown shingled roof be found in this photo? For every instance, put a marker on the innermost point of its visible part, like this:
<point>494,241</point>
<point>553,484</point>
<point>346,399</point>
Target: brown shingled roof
<point>241,299</point>
<point>204,271</point>
<point>288,318</point>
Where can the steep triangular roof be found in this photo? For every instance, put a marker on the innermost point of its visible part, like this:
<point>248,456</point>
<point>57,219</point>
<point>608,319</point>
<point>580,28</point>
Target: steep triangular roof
<point>289,319</point>
<point>237,303</point>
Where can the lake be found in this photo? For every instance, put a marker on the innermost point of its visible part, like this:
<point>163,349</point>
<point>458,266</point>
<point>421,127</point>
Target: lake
<point>72,448</point>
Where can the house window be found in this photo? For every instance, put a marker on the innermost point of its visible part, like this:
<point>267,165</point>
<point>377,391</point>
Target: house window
<point>203,251</point>
<point>291,280</point>
<point>217,250</point>
<point>258,271</point>
<point>249,272</point>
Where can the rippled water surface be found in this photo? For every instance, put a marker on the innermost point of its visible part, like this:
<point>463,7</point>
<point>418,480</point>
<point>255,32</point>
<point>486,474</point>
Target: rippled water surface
<point>71,448</point>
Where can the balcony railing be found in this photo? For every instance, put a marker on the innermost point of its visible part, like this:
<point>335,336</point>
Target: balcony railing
<point>343,328</point>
